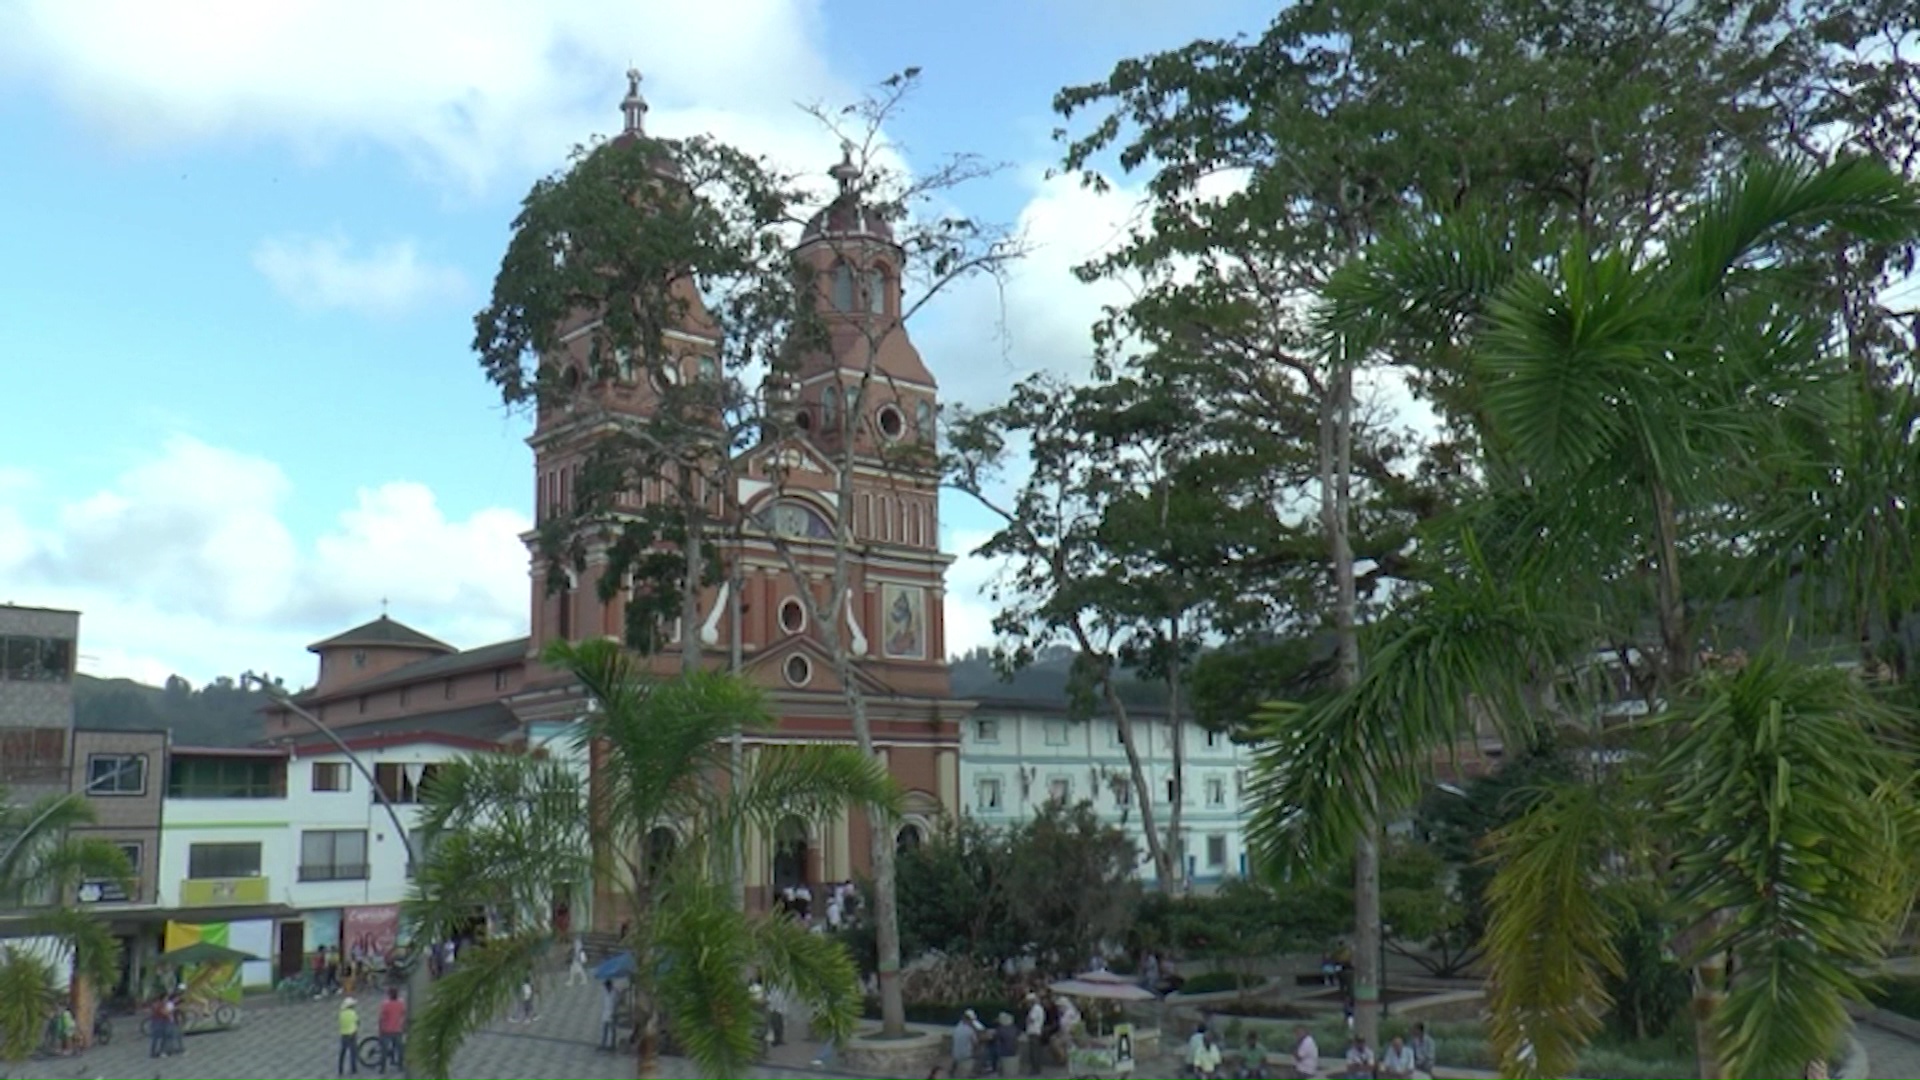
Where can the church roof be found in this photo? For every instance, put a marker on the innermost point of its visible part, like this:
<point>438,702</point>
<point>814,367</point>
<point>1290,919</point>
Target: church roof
<point>383,631</point>
<point>848,216</point>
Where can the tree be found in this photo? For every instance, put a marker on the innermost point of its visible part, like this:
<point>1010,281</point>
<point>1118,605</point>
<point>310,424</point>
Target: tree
<point>41,862</point>
<point>1276,160</point>
<point>1070,884</point>
<point>1627,398</point>
<point>661,764</point>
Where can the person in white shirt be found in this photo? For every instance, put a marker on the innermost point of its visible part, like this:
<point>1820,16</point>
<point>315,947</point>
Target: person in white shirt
<point>1359,1059</point>
<point>1036,1025</point>
<point>1306,1053</point>
<point>1396,1063</point>
<point>1424,1052</point>
<point>577,966</point>
<point>1205,1056</point>
<point>1069,1018</point>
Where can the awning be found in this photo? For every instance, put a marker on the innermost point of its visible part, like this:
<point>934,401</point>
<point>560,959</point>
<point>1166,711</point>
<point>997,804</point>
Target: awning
<point>21,925</point>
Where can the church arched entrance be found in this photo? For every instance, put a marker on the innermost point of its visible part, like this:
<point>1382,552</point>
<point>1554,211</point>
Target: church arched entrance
<point>790,854</point>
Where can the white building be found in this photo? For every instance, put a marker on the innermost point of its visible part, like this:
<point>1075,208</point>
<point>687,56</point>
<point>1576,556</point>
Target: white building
<point>1015,756</point>
<point>288,846</point>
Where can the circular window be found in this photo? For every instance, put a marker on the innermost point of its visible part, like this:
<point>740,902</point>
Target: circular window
<point>803,420</point>
<point>892,424</point>
<point>799,670</point>
<point>793,616</point>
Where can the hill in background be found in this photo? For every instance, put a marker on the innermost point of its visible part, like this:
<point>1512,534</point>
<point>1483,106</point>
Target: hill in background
<point>220,713</point>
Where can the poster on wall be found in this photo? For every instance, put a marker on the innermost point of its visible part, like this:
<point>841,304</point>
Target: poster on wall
<point>204,982</point>
<point>370,931</point>
<point>903,621</point>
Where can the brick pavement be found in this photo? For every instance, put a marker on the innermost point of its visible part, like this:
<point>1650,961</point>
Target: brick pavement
<point>298,1042</point>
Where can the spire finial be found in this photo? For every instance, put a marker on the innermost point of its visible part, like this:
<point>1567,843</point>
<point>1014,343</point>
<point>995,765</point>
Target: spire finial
<point>846,172</point>
<point>634,107</point>
<point>383,607</point>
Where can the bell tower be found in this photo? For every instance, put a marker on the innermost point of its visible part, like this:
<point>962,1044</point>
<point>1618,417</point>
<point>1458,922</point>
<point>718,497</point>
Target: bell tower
<point>590,388</point>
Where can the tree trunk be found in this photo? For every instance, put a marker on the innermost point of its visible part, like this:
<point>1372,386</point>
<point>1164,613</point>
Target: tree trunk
<point>1176,840</point>
<point>736,748</point>
<point>1677,664</point>
<point>886,910</point>
<point>80,997</point>
<point>1142,791</point>
<point>646,1043</point>
<point>690,586</point>
<point>1336,515</point>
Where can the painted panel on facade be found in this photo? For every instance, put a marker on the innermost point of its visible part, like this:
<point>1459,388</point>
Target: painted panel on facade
<point>204,982</point>
<point>903,621</point>
<point>221,892</point>
<point>323,928</point>
<point>372,930</point>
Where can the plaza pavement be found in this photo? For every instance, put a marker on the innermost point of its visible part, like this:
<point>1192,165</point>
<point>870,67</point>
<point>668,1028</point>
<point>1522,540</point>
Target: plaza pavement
<point>298,1042</point>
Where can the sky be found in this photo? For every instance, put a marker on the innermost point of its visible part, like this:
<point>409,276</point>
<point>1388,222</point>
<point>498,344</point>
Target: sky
<point>241,245</point>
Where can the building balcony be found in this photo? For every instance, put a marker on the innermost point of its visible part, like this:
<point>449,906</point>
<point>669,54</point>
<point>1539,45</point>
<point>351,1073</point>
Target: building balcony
<point>224,892</point>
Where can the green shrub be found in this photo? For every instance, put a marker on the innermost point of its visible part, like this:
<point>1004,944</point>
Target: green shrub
<point>1214,982</point>
<point>946,1013</point>
<point>1898,994</point>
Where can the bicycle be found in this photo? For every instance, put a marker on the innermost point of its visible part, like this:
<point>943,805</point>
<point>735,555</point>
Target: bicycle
<point>222,1015</point>
<point>296,988</point>
<point>368,1051</point>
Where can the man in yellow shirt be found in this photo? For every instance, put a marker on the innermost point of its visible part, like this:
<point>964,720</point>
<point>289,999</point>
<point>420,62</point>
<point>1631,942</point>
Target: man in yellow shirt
<point>349,1036</point>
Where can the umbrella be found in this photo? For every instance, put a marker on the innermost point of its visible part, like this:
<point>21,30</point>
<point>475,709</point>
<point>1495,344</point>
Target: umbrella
<point>1102,989</point>
<point>617,966</point>
<point>205,952</point>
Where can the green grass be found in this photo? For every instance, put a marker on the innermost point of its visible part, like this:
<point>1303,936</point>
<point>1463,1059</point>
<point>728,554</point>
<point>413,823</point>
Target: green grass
<point>1214,982</point>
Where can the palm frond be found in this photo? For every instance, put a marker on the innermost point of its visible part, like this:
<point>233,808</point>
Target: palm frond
<point>1795,781</point>
<point>1551,932</point>
<point>28,988</point>
<point>478,989</point>
<point>96,951</point>
<point>29,833</point>
<point>704,950</point>
<point>814,782</point>
<point>816,969</point>
<point>1463,652</point>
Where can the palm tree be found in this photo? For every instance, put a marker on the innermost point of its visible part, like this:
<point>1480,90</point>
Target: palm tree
<point>502,831</point>
<point>40,862</point>
<point>1629,404</point>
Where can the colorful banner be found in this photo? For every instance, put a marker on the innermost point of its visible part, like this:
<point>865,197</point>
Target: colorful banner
<point>370,929</point>
<point>204,982</point>
<point>218,892</point>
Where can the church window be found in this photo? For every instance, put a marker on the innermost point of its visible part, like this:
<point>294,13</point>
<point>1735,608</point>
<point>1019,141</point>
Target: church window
<point>793,615</point>
<point>709,369</point>
<point>829,407</point>
<point>842,287</point>
<point>877,291</point>
<point>923,419</point>
<point>789,518</point>
<point>799,670</point>
<point>892,424</point>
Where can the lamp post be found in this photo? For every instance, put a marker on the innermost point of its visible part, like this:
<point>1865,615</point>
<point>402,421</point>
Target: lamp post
<point>279,698</point>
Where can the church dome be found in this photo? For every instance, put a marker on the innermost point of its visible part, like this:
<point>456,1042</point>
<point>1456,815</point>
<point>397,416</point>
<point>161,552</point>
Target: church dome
<point>848,217</point>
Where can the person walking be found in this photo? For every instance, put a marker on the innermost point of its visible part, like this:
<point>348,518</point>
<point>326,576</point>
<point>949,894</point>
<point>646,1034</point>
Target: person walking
<point>577,969</point>
<point>393,1030</point>
<point>349,1060</point>
<point>159,1023</point>
<point>523,1009</point>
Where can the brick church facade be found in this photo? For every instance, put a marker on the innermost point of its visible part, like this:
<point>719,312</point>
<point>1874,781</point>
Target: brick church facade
<point>386,677</point>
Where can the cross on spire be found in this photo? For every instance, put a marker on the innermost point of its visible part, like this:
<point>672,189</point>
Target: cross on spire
<point>383,607</point>
<point>634,107</point>
<point>846,172</point>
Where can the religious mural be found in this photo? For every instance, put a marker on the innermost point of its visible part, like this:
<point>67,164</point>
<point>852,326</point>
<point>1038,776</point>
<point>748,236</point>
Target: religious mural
<point>903,621</point>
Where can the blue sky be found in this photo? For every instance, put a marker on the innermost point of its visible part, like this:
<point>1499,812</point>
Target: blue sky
<point>242,246</point>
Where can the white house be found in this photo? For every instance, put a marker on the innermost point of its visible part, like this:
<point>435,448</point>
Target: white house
<point>1015,756</point>
<point>288,845</point>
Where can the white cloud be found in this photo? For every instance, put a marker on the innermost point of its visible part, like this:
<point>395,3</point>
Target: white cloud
<point>466,89</point>
<point>320,273</point>
<point>185,564</point>
<point>969,611</point>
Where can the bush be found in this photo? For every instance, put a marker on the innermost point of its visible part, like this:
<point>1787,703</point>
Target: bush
<point>1215,981</point>
<point>1897,994</point>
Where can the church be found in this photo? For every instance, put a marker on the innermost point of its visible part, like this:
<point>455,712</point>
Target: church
<point>387,680</point>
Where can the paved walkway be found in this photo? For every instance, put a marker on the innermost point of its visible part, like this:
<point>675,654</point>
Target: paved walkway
<point>299,1042</point>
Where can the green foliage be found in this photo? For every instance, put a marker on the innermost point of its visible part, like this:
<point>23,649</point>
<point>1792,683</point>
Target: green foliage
<point>1897,993</point>
<point>221,713</point>
<point>1651,990</point>
<point>505,831</point>
<point>1070,885</point>
<point>28,994</point>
